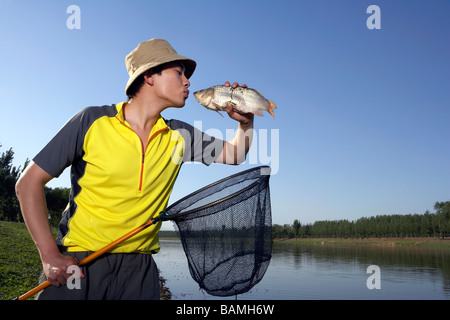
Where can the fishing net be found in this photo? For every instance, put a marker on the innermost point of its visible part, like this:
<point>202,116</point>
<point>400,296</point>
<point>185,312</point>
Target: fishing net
<point>226,232</point>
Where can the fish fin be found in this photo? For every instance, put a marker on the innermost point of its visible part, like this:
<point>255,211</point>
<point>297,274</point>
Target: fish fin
<point>271,107</point>
<point>258,113</point>
<point>272,104</point>
<point>216,106</point>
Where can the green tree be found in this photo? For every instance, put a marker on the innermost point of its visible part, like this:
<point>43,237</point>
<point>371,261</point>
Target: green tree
<point>57,200</point>
<point>296,226</point>
<point>9,174</point>
<point>443,217</point>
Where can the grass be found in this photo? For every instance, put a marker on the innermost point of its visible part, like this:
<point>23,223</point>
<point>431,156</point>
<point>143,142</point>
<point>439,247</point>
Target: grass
<point>20,265</point>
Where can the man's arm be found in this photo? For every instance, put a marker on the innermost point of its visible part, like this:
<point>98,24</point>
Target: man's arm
<point>235,150</point>
<point>30,192</point>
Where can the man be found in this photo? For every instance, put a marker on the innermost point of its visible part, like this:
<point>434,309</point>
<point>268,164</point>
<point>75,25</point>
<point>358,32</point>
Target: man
<point>124,161</point>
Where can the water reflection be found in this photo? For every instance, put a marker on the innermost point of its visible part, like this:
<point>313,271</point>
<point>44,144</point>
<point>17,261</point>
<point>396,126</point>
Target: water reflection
<point>328,272</point>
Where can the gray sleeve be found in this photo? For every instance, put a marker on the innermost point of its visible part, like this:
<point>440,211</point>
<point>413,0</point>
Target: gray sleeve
<point>200,147</point>
<point>67,145</point>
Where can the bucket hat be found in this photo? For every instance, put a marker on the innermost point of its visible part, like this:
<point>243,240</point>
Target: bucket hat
<point>152,53</point>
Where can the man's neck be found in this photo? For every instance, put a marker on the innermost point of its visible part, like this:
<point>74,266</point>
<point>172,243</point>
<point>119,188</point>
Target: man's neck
<point>141,115</point>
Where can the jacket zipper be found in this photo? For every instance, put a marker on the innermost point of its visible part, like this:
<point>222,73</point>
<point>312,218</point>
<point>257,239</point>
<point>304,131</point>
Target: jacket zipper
<point>142,163</point>
<point>141,175</point>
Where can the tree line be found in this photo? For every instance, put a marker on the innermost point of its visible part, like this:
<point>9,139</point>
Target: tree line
<point>410,225</point>
<point>56,198</point>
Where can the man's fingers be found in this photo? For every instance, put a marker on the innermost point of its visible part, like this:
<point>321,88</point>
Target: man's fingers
<point>234,85</point>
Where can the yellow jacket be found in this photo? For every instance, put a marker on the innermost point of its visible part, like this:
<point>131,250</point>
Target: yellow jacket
<point>116,187</point>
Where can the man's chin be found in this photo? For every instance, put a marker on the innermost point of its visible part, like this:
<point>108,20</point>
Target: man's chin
<point>178,106</point>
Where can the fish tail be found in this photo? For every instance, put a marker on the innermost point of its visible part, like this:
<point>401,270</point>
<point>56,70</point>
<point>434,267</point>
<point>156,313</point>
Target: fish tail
<point>271,107</point>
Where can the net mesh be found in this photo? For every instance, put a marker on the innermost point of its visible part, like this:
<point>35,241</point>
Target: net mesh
<point>226,232</point>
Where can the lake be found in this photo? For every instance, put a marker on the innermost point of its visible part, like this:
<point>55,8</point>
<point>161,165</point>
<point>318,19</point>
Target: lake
<point>315,272</point>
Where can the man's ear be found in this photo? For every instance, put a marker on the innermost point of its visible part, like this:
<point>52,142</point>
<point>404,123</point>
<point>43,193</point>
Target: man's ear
<point>148,77</point>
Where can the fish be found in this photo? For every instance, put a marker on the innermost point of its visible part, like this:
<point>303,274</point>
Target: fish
<point>244,100</point>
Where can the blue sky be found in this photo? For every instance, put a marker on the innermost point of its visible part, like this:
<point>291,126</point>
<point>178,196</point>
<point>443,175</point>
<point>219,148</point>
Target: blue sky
<point>363,115</point>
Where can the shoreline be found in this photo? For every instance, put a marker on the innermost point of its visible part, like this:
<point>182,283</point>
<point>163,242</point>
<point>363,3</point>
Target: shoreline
<point>419,242</point>
<point>164,292</point>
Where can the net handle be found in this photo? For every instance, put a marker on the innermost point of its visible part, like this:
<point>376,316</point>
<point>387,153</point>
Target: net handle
<point>93,256</point>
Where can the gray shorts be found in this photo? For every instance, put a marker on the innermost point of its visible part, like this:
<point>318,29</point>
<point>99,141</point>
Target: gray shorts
<point>112,276</point>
